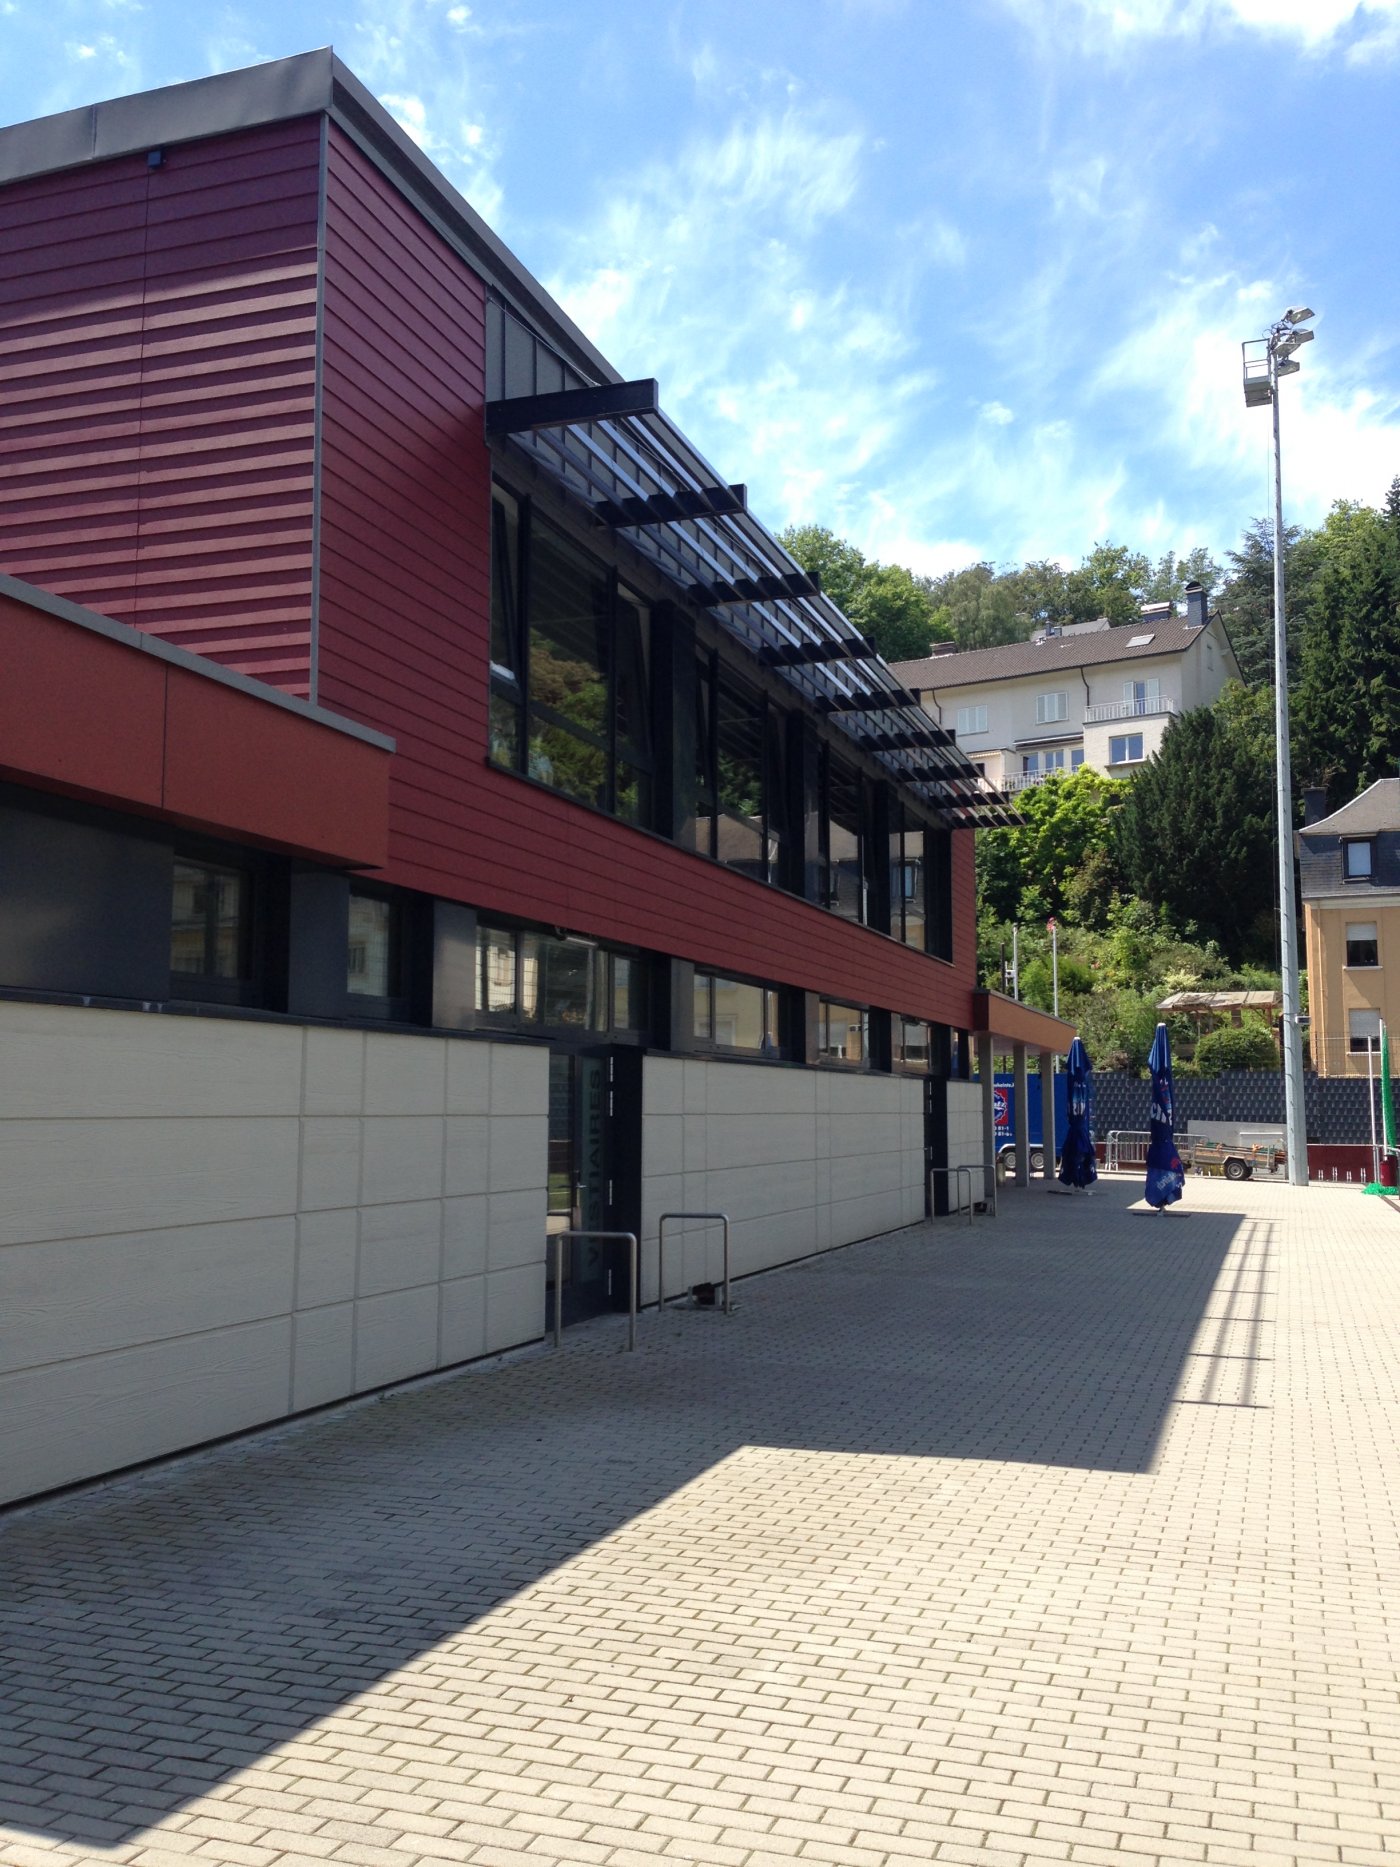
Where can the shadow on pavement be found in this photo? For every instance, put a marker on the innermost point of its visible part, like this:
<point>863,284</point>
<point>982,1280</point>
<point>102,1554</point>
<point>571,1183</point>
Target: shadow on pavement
<point>168,1630</point>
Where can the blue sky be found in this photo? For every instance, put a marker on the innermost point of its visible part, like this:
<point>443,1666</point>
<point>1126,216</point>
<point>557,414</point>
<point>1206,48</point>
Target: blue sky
<point>960,278</point>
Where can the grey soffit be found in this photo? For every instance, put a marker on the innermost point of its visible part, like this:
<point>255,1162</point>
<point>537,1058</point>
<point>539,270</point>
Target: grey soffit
<point>1375,811</point>
<point>728,563</point>
<point>1057,654</point>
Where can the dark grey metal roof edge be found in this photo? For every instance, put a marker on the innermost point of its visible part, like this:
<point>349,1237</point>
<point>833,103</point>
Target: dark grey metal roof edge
<point>280,89</point>
<point>174,113</point>
<point>146,644</point>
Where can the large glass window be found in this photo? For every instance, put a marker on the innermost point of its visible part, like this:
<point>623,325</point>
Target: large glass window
<point>735,1015</point>
<point>908,879</point>
<point>533,978</point>
<point>843,840</point>
<point>844,1035</point>
<point>209,923</point>
<point>570,676</point>
<point>740,793</point>
<point>373,965</point>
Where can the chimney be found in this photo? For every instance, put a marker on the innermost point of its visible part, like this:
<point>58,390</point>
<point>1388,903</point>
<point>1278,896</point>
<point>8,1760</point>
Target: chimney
<point>1195,605</point>
<point>1314,805</point>
<point>943,648</point>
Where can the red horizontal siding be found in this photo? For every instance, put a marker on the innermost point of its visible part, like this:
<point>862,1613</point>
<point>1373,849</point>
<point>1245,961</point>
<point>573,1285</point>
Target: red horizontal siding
<point>404,638</point>
<point>157,363</point>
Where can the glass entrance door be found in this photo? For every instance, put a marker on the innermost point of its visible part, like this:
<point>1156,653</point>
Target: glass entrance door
<point>579,1190</point>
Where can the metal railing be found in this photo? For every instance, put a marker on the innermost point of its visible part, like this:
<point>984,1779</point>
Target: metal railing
<point>989,1185</point>
<point>1126,1148</point>
<point>633,1268</point>
<point>933,1172</point>
<point>723,1217</point>
<point>1130,709</point>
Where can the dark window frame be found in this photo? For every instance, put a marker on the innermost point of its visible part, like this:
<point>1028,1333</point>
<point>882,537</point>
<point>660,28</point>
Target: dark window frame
<point>1368,843</point>
<point>825,1006</point>
<point>773,1017</point>
<point>513,688</point>
<point>717,681</point>
<point>828,889</point>
<point>517,1021</point>
<point>395,1006</point>
<point>246,988</point>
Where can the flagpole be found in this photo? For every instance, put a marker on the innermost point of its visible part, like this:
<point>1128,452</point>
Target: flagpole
<point>1371,1105</point>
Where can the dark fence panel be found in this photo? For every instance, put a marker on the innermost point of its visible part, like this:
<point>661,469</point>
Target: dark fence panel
<point>1335,1105</point>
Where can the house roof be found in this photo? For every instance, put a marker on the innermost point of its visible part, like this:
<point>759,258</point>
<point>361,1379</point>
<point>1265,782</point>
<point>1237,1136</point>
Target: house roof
<point>1377,808</point>
<point>1134,641</point>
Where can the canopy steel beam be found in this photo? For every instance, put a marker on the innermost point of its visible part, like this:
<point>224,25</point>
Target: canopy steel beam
<point>762,589</point>
<point>572,408</point>
<point>704,502</point>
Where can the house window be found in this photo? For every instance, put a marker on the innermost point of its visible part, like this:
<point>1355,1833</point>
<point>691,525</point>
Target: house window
<point>570,689</point>
<point>732,1014</point>
<point>1363,1031</point>
<point>1362,946</point>
<point>739,814</point>
<point>1076,758</point>
<point>844,1034</point>
<point>1051,707</point>
<point>971,720</point>
<point>908,879</point>
<point>373,965</point>
<point>1358,860</point>
<point>1125,749</point>
<point>843,840</point>
<point>210,928</point>
<point>1053,760</point>
<point>1142,696</point>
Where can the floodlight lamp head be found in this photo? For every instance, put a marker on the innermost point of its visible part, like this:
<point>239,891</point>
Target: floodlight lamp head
<point>1298,314</point>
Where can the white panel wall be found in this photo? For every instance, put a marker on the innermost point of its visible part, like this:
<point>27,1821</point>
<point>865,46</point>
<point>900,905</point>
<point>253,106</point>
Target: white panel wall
<point>965,1141</point>
<point>208,1224</point>
<point>801,1160</point>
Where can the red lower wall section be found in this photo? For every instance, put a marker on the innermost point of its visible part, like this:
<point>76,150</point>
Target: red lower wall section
<point>94,718</point>
<point>404,640</point>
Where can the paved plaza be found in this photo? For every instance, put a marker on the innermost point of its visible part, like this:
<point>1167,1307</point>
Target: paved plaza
<point>1070,1536</point>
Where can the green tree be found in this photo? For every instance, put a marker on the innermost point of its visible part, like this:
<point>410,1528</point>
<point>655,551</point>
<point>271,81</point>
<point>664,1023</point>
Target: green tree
<point>839,566</point>
<point>896,613</point>
<point>1195,837</point>
<point>1171,574</point>
<point>895,610</point>
<point>1347,699</point>
<point>1246,603</point>
<point>1030,871</point>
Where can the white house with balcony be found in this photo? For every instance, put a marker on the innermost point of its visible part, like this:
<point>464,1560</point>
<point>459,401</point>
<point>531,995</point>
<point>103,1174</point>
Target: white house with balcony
<point>1086,694</point>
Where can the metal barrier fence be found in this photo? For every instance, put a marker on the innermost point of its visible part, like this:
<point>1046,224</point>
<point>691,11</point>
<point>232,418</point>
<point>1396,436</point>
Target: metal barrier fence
<point>634,1273</point>
<point>723,1217</point>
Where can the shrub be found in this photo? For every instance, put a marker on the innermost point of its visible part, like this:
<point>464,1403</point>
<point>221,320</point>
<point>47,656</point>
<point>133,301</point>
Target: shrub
<point>1236,1047</point>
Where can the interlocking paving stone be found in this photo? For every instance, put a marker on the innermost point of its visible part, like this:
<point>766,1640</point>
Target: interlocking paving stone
<point>1070,1536</point>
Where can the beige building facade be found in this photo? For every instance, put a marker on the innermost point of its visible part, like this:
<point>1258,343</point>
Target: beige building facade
<point>1350,867</point>
<point>1087,695</point>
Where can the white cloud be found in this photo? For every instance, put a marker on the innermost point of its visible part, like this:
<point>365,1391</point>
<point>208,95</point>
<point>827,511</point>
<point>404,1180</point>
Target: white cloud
<point>432,82</point>
<point>997,413</point>
<point>1361,29</point>
<point>727,272</point>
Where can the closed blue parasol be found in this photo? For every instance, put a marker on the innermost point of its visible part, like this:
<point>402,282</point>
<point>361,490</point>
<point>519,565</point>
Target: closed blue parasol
<point>1078,1164</point>
<point>1165,1175</point>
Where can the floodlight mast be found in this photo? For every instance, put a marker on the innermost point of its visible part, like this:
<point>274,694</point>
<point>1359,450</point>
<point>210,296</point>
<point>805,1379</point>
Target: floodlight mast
<point>1265,360</point>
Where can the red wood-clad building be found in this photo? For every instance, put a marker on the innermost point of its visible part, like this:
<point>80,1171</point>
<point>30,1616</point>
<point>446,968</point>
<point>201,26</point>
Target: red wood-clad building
<point>390,684</point>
